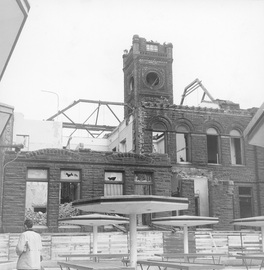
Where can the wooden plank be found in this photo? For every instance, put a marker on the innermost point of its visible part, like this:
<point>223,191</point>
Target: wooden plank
<point>4,247</point>
<point>61,244</point>
<point>178,265</point>
<point>148,243</point>
<point>88,265</point>
<point>173,242</point>
<point>8,265</point>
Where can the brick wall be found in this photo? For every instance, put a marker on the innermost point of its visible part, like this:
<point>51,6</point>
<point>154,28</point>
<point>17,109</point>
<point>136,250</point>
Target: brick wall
<point>224,178</point>
<point>92,166</point>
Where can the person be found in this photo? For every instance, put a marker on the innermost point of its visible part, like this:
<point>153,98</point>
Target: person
<point>29,248</point>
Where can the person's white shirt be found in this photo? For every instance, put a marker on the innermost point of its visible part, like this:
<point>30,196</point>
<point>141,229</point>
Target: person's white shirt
<point>28,249</point>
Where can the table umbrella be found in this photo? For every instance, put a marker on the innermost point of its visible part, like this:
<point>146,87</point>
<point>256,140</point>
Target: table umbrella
<point>132,205</point>
<point>253,222</point>
<point>185,222</point>
<point>94,220</point>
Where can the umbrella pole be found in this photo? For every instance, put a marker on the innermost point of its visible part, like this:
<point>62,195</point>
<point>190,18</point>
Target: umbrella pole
<point>262,236</point>
<point>133,239</point>
<point>185,239</point>
<point>95,236</point>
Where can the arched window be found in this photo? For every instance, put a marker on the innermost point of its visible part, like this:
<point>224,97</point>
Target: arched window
<point>159,138</point>
<point>182,144</point>
<point>212,146</point>
<point>236,147</point>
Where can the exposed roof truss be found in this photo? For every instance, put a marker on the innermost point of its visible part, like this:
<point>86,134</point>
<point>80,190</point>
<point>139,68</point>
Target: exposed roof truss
<point>91,122</point>
<point>192,87</point>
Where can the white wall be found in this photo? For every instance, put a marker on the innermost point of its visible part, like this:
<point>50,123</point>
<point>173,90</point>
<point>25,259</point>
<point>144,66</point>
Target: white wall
<point>35,134</point>
<point>123,132</point>
<point>42,134</point>
<point>95,144</point>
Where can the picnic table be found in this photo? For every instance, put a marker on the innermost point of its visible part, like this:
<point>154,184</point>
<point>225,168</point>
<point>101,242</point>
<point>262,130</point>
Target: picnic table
<point>191,257</point>
<point>90,265</point>
<point>96,256</point>
<point>163,265</point>
<point>247,259</point>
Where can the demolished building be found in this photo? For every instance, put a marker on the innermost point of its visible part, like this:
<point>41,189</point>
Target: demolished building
<point>158,149</point>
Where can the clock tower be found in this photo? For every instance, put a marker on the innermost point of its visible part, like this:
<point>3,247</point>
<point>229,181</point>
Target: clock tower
<point>147,70</point>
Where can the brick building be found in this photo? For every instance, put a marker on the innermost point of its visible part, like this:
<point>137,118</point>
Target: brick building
<point>160,148</point>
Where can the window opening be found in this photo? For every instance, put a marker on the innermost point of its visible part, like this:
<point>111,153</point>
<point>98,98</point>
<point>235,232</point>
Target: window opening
<point>37,195</point>
<point>182,144</point>
<point>182,147</point>
<point>143,186</point>
<point>245,202</point>
<point>39,174</point>
<point>123,146</point>
<point>212,146</point>
<point>23,139</point>
<point>158,140</point>
<point>113,183</point>
<point>69,186</point>
<point>236,147</point>
<point>197,204</point>
<point>152,47</point>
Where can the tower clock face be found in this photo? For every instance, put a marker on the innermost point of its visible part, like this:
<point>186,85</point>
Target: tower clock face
<point>152,79</point>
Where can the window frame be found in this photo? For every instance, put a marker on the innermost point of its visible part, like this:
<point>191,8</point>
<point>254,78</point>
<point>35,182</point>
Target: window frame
<point>111,182</point>
<point>152,47</point>
<point>74,180</point>
<point>161,129</point>
<point>159,145</point>
<point>144,219</point>
<point>23,139</point>
<point>35,178</point>
<point>246,196</point>
<point>182,130</point>
<point>212,132</point>
<point>149,184</point>
<point>236,135</point>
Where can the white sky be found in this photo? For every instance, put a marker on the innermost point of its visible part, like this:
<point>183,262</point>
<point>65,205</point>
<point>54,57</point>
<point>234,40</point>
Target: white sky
<point>75,48</point>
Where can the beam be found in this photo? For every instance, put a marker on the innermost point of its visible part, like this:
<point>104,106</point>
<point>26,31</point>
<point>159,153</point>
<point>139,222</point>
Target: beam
<point>88,127</point>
